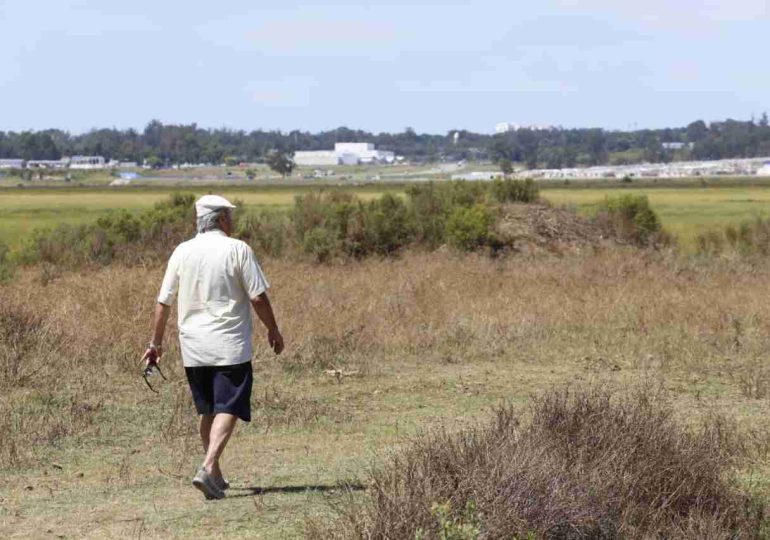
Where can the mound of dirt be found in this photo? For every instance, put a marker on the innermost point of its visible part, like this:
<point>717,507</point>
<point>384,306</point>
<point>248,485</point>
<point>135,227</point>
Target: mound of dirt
<point>541,227</point>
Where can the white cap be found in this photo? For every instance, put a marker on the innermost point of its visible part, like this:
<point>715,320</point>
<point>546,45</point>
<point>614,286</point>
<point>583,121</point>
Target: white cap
<point>211,203</point>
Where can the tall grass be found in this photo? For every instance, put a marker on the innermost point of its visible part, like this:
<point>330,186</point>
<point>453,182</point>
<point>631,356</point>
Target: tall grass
<point>746,239</point>
<point>36,410</point>
<point>6,266</point>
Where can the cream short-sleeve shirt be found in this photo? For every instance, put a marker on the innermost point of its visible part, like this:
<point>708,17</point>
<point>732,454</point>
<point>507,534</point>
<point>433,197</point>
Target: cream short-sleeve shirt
<point>214,277</point>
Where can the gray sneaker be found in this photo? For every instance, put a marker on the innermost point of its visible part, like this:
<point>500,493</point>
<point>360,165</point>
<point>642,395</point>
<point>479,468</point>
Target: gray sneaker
<point>207,485</point>
<point>222,484</point>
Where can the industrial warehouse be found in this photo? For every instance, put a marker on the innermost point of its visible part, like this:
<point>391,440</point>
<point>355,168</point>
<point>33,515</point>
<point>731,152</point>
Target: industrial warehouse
<point>345,154</point>
<point>74,162</point>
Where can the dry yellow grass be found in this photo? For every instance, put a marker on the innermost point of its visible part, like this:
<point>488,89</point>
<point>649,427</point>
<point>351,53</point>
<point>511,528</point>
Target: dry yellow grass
<point>427,339</point>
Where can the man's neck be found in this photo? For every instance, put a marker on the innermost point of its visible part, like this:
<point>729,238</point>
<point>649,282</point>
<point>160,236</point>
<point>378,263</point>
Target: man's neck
<point>216,231</point>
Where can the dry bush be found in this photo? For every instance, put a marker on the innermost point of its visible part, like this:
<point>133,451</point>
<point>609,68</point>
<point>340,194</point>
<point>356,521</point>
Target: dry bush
<point>29,344</point>
<point>539,227</point>
<point>589,463</point>
<point>752,378</point>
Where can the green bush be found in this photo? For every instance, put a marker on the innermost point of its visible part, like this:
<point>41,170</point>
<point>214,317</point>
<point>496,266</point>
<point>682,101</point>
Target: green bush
<point>381,226</point>
<point>506,190</point>
<point>268,231</point>
<point>177,210</point>
<point>469,228</point>
<point>132,238</point>
<point>428,213</point>
<point>323,224</point>
<point>320,243</point>
<point>630,218</point>
<point>432,203</point>
<point>122,226</point>
<point>67,245</point>
<point>329,210</point>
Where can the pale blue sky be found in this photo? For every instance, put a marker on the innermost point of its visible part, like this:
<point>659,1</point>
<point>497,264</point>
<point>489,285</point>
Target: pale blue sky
<point>382,66</point>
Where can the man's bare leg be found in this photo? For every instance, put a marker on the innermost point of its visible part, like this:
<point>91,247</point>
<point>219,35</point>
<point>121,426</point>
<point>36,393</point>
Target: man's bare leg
<point>206,420</point>
<point>220,426</point>
<point>205,428</point>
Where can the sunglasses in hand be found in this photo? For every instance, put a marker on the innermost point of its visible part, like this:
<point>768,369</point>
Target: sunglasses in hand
<point>152,357</point>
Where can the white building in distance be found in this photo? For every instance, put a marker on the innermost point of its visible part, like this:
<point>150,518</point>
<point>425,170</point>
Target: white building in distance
<point>318,157</point>
<point>344,154</point>
<point>62,163</point>
<point>87,162</point>
<point>11,163</point>
<point>505,127</point>
<point>75,162</point>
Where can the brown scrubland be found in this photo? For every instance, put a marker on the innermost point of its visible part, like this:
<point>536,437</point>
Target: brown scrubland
<point>403,406</point>
<point>468,363</point>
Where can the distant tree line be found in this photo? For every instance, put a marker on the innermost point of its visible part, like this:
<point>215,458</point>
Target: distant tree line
<point>162,144</point>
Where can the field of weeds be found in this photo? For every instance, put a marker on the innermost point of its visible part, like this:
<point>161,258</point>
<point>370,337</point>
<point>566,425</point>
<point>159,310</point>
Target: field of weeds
<point>379,351</point>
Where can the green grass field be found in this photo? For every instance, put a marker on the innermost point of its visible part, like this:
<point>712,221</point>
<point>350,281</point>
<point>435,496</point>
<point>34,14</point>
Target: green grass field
<point>685,212</point>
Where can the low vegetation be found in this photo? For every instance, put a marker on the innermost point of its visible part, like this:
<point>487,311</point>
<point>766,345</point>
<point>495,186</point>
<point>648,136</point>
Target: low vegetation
<point>585,463</point>
<point>124,237</point>
<point>322,225</point>
<point>6,267</point>
<point>327,225</point>
<point>747,239</point>
<point>630,218</point>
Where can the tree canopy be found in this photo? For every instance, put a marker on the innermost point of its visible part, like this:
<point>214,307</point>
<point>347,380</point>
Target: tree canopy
<point>166,144</point>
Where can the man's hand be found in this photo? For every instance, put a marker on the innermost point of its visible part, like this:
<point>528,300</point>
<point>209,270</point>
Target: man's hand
<point>151,356</point>
<point>265,313</point>
<point>275,339</point>
<point>154,350</point>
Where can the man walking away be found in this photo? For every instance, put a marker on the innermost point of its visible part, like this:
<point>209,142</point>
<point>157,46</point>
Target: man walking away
<point>218,280</point>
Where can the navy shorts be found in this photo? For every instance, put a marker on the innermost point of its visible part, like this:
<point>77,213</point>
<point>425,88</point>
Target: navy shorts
<point>222,389</point>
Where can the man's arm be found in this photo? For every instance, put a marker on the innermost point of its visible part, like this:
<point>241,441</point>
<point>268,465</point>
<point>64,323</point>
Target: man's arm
<point>155,349</point>
<point>265,313</point>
